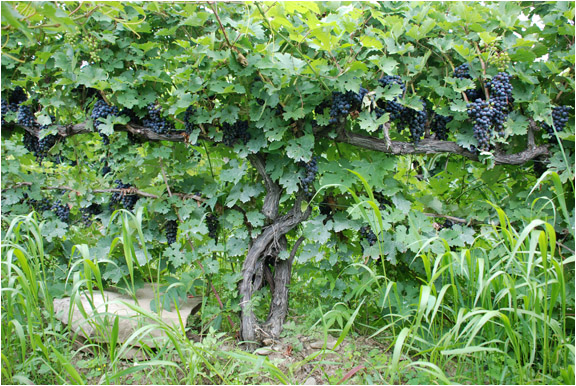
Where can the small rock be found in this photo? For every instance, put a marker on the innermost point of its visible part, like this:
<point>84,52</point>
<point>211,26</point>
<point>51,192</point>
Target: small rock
<point>310,381</point>
<point>264,351</point>
<point>330,343</point>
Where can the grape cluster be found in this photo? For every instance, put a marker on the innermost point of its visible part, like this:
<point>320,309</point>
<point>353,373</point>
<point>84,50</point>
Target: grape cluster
<point>62,211</point>
<point>30,142</point>
<point>89,212</point>
<point>415,120</point>
<point>481,113</point>
<point>344,103</point>
<point>491,114</point>
<point>189,126</point>
<point>233,133</point>
<point>560,116</point>
<point>155,121</point>
<point>26,117</point>
<point>92,44</point>
<point>127,201</point>
<point>102,110</point>
<point>500,60</point>
<point>40,206</point>
<point>392,107</point>
<point>71,38</point>
<point>367,234</point>
<point>45,143</point>
<point>438,126</point>
<point>310,171</point>
<point>212,224</point>
<point>106,169</point>
<point>171,229</point>
<point>447,224</point>
<point>462,71</point>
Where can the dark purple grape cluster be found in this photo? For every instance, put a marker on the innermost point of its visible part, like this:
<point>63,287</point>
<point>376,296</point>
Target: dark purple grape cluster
<point>310,171</point>
<point>45,143</point>
<point>17,96</point>
<point>127,201</point>
<point>40,206</point>
<point>500,99</point>
<point>171,229</point>
<point>462,71</point>
<point>155,121</point>
<point>415,121</point>
<point>30,142</point>
<point>105,170</point>
<point>89,212</point>
<point>5,110</point>
<point>448,224</point>
<point>234,133</point>
<point>212,224</point>
<point>492,114</point>
<point>367,234</point>
<point>189,126</point>
<point>438,126</point>
<point>26,117</point>
<point>392,107</point>
<point>560,116</point>
<point>344,103</point>
<point>62,211</point>
<point>481,113</point>
<point>102,110</point>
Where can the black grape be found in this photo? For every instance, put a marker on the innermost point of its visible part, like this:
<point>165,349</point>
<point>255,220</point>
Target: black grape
<point>212,224</point>
<point>438,126</point>
<point>62,211</point>
<point>127,201</point>
<point>171,229</point>
<point>415,120</point>
<point>17,96</point>
<point>234,133</point>
<point>89,212</point>
<point>367,234</point>
<point>309,174</point>
<point>344,103</point>
<point>462,71</point>
<point>560,116</point>
<point>26,117</point>
<point>155,121</point>
<point>102,110</point>
<point>481,114</point>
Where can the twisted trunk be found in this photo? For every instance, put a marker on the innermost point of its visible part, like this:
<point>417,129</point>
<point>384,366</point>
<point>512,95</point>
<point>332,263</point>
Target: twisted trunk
<point>266,248</point>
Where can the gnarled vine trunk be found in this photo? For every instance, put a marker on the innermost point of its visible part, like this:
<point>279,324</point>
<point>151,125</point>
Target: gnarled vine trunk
<point>265,249</point>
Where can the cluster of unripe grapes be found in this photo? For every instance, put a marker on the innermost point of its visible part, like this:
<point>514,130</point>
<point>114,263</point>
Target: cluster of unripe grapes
<point>500,60</point>
<point>93,46</point>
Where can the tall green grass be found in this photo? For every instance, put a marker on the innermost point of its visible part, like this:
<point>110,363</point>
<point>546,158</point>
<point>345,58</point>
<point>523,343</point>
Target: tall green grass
<point>38,349</point>
<point>497,310</point>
